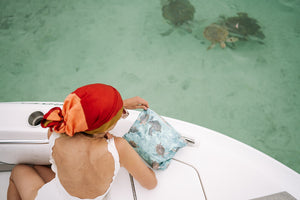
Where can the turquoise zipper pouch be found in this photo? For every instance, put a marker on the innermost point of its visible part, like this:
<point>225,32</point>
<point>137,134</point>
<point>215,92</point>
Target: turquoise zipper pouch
<point>154,139</point>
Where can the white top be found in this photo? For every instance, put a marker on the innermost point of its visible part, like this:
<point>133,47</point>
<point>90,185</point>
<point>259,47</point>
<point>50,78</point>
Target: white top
<point>63,193</point>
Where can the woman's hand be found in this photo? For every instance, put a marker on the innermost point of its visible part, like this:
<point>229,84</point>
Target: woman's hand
<point>135,103</point>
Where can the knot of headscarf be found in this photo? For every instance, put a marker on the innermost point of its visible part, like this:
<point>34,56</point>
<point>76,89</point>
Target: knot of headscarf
<point>92,109</point>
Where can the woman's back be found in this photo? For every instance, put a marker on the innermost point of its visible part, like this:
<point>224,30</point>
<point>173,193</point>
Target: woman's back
<point>85,166</point>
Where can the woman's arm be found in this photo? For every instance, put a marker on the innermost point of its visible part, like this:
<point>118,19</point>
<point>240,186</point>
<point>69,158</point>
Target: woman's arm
<point>135,103</point>
<point>134,164</point>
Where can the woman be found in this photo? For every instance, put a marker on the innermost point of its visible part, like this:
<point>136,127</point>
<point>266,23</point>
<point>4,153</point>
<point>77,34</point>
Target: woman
<point>85,157</point>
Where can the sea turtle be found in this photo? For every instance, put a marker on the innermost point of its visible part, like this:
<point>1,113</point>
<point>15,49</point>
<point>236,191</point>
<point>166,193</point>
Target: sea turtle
<point>178,13</point>
<point>155,165</point>
<point>217,34</point>
<point>133,144</point>
<point>155,126</point>
<point>160,150</point>
<point>144,118</point>
<point>242,26</point>
<point>133,129</point>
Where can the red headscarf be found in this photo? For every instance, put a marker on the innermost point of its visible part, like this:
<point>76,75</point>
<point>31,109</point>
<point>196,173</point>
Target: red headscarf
<point>91,109</point>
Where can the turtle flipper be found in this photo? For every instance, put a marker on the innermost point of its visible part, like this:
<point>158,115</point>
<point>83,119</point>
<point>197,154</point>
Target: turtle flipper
<point>168,32</point>
<point>222,45</point>
<point>211,46</point>
<point>232,39</point>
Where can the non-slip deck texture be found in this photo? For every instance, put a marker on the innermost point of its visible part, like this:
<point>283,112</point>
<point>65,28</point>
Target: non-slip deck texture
<point>277,196</point>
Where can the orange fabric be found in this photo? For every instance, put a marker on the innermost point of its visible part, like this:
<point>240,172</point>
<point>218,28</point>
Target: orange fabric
<point>55,116</point>
<point>70,120</point>
<point>74,118</point>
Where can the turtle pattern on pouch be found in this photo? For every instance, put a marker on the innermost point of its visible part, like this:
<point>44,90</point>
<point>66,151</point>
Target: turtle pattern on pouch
<point>155,126</point>
<point>154,139</point>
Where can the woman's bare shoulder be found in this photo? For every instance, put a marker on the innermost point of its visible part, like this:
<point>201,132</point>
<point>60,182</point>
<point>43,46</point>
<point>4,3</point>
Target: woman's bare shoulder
<point>120,142</point>
<point>122,145</point>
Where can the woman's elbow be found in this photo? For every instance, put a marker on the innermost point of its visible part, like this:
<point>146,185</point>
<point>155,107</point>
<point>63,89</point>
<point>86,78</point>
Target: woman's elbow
<point>151,184</point>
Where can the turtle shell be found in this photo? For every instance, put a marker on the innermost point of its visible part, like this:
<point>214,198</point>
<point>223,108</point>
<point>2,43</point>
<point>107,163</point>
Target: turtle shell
<point>243,25</point>
<point>178,12</point>
<point>215,33</point>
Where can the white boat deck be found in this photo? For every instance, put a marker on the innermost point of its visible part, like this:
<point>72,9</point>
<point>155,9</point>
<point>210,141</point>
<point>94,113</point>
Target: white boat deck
<point>217,167</point>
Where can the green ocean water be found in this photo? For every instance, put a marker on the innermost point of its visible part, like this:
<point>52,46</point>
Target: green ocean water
<point>250,92</point>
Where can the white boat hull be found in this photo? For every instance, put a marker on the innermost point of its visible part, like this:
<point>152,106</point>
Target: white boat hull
<point>216,167</point>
